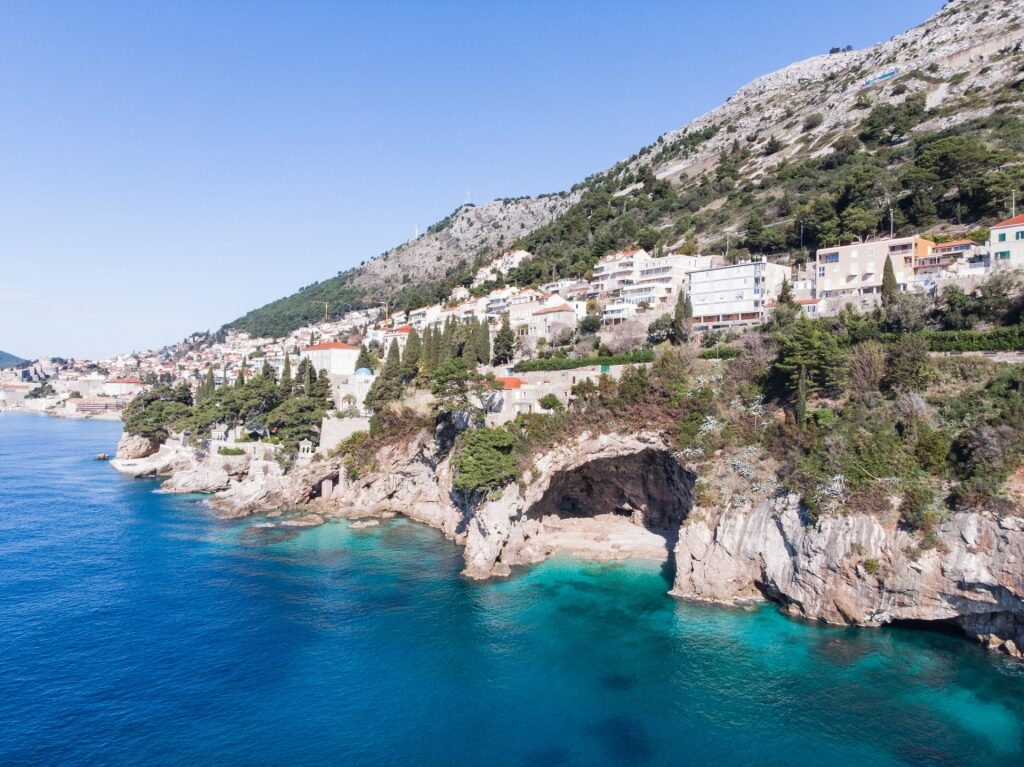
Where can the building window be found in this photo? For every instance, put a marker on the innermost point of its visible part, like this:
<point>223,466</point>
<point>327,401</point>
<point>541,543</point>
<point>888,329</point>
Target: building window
<point>1002,237</point>
<point>1003,255</point>
<point>821,271</point>
<point>831,258</point>
<point>1020,235</point>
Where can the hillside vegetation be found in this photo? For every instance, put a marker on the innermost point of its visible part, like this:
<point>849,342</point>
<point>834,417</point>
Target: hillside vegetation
<point>806,156</point>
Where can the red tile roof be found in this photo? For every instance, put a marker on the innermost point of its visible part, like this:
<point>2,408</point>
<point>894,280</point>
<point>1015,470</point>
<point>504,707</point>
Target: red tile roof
<point>1015,221</point>
<point>400,329</point>
<point>555,309</point>
<point>330,345</point>
<point>128,380</point>
<point>511,382</point>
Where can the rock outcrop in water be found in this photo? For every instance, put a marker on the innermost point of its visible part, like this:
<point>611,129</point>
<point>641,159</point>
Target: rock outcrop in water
<point>854,570</point>
<point>614,496</point>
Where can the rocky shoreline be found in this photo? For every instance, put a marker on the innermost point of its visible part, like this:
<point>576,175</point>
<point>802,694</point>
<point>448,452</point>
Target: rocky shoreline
<point>844,569</point>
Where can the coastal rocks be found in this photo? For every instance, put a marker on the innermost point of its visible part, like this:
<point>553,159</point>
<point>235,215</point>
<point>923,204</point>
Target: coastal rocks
<point>167,460</point>
<point>853,570</point>
<point>261,488</point>
<point>132,447</point>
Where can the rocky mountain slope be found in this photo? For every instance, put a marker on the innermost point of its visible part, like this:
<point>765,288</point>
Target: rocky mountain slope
<point>814,152</point>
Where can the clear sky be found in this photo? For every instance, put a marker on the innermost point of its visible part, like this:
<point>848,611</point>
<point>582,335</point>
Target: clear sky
<point>164,167</point>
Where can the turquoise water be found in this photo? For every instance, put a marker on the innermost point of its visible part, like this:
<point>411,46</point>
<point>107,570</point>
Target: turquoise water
<point>136,628</point>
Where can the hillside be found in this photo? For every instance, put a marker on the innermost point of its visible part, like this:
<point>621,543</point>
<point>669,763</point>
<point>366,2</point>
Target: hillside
<point>8,360</point>
<point>806,155</point>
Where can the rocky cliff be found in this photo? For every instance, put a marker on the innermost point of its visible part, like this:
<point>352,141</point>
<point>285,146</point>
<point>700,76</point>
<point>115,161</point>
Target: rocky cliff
<point>615,496</point>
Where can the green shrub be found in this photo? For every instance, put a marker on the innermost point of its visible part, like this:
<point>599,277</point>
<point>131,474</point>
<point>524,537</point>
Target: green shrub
<point>872,565</point>
<point>485,460</point>
<point>915,507</point>
<point>231,451</point>
<point>931,450</point>
<point>551,402</point>
<point>629,358</point>
<point>720,353</point>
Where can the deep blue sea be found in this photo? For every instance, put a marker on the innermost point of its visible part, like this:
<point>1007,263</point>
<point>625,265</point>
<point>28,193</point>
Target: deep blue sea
<point>135,628</point>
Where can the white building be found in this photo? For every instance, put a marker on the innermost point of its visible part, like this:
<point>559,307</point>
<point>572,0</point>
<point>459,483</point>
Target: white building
<point>734,294</point>
<point>552,321</point>
<point>612,273</point>
<point>399,334</point>
<point>333,356</point>
<point>852,274</point>
<point>1006,243</point>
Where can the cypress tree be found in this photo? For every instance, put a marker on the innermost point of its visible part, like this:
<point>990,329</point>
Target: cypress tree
<point>483,346</point>
<point>801,397</point>
<point>444,347</point>
<point>411,357</point>
<point>307,380</point>
<point>322,387</point>
<point>469,343</point>
<point>210,384</point>
<point>682,319</point>
<point>890,288</point>
<point>393,364</point>
<point>504,342</point>
<point>286,376</point>
<point>365,359</point>
<point>267,371</point>
<point>240,381</point>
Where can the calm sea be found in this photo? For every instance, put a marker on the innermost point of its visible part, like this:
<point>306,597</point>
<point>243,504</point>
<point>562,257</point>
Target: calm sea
<point>137,629</point>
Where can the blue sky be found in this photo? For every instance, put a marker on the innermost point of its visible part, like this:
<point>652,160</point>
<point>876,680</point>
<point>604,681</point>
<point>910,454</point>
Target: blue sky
<point>167,166</point>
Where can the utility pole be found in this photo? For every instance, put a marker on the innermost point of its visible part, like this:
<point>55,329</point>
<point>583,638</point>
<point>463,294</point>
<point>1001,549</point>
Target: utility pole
<point>891,230</point>
<point>1013,203</point>
<point>325,311</point>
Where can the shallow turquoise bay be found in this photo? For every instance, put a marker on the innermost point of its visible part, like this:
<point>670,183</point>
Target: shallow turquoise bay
<point>136,628</point>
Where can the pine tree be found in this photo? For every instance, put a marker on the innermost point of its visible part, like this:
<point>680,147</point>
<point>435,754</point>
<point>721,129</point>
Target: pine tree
<point>483,345</point>
<point>240,381</point>
<point>504,342</point>
<point>286,376</point>
<point>890,288</point>
<point>682,319</point>
<point>411,356</point>
<point>786,309</point>
<point>801,397</point>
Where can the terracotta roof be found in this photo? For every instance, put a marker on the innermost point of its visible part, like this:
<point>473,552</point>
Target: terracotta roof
<point>954,243</point>
<point>128,380</point>
<point>330,345</point>
<point>1015,221</point>
<point>555,310</point>
<point>400,329</point>
<point>511,382</point>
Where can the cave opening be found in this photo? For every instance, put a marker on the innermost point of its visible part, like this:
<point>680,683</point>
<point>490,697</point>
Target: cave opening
<point>628,505</point>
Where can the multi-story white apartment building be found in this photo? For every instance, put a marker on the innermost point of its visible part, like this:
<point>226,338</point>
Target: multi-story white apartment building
<point>1006,243</point>
<point>612,273</point>
<point>735,293</point>
<point>852,274</point>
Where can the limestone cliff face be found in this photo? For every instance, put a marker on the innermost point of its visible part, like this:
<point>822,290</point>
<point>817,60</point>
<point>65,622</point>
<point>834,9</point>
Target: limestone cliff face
<point>616,496</point>
<point>854,570</point>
